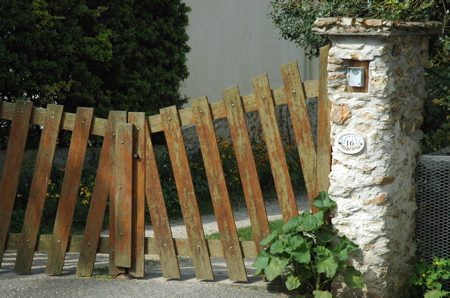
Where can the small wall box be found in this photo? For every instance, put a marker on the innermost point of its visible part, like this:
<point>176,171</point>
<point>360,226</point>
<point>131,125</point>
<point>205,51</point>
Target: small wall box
<point>356,76</point>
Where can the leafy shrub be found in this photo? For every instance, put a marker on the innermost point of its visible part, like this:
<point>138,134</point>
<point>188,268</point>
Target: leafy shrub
<point>427,278</point>
<point>52,197</point>
<point>302,252</point>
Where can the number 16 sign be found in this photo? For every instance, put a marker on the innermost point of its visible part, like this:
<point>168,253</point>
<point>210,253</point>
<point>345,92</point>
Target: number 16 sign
<point>350,143</point>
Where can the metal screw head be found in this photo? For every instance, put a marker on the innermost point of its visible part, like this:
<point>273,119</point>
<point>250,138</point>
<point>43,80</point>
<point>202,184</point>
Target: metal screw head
<point>120,234</point>
<point>53,117</point>
<point>59,241</point>
<point>120,186</point>
<point>82,122</point>
<point>138,129</point>
<point>231,247</point>
<point>135,155</point>
<point>170,118</point>
<point>201,111</point>
<point>122,142</point>
<point>263,97</point>
<point>232,104</point>
<point>294,91</point>
<point>89,244</point>
<point>114,134</point>
<point>165,245</point>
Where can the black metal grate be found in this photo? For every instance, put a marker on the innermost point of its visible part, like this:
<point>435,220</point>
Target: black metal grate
<point>433,213</point>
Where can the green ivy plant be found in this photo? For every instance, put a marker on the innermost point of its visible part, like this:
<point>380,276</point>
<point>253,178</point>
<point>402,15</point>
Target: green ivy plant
<point>302,253</point>
<point>427,278</point>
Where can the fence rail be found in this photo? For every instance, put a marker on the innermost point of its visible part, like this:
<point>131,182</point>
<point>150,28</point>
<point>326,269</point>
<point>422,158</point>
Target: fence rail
<point>128,179</point>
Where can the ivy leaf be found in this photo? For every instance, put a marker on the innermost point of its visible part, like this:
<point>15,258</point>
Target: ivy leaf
<point>296,242</point>
<point>322,294</point>
<point>269,239</point>
<point>302,256</point>
<point>259,272</point>
<point>310,222</point>
<point>323,202</point>
<point>262,260</point>
<point>353,278</point>
<point>278,246</point>
<point>435,294</point>
<point>275,268</point>
<point>326,265</point>
<point>344,248</point>
<point>292,283</point>
<point>324,236</point>
<point>291,224</point>
<point>323,251</point>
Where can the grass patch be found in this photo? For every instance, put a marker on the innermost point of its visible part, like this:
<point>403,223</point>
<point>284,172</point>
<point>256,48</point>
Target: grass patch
<point>102,273</point>
<point>246,233</point>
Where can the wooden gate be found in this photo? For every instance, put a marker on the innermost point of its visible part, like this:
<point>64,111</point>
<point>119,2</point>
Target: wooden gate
<point>128,180</point>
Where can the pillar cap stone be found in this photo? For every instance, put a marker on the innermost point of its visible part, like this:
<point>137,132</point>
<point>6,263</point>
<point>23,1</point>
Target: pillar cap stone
<point>362,26</point>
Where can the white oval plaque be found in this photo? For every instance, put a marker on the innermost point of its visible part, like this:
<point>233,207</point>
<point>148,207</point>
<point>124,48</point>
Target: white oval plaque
<point>350,143</point>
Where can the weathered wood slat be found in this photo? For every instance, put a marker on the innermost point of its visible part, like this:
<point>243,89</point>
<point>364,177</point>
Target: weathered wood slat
<point>11,168</point>
<point>99,125</point>
<point>138,120</point>
<point>95,218</point>
<point>69,191</point>
<point>36,200</point>
<point>218,189</point>
<point>246,164</point>
<point>186,193</point>
<point>115,117</point>
<point>164,243</point>
<point>123,185</point>
<point>218,108</point>
<point>302,127</point>
<point>283,185</point>
<point>215,248</point>
<point>323,125</point>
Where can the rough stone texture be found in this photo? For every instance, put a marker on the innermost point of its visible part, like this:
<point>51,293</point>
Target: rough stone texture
<point>359,26</point>
<point>374,189</point>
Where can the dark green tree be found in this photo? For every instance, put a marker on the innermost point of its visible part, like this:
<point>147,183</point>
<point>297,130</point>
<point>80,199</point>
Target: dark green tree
<point>110,55</point>
<point>295,19</point>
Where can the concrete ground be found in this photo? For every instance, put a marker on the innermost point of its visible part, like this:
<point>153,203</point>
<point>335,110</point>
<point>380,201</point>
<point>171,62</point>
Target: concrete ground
<point>38,284</point>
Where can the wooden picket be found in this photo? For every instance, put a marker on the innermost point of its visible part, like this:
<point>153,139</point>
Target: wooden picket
<point>128,178</point>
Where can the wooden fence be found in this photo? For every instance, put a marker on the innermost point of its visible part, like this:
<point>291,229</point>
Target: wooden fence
<point>127,178</point>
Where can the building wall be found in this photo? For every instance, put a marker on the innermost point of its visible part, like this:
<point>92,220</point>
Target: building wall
<point>232,42</point>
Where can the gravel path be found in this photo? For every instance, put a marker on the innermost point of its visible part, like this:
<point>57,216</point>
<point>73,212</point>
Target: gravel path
<point>241,218</point>
<point>38,284</point>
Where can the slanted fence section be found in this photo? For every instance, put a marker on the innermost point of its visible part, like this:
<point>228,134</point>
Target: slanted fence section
<point>128,180</point>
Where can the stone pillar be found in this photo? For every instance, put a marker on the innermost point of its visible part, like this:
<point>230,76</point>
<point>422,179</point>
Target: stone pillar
<point>372,182</point>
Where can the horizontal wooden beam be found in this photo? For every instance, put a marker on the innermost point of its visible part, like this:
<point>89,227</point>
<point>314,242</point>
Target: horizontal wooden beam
<point>99,125</point>
<point>98,128</point>
<point>218,109</point>
<point>44,242</point>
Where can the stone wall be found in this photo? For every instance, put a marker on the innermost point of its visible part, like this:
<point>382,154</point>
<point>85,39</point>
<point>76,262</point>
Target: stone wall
<point>374,188</point>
